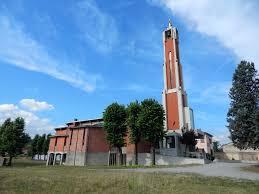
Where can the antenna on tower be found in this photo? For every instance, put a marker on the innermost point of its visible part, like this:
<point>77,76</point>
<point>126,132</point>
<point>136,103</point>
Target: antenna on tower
<point>170,24</point>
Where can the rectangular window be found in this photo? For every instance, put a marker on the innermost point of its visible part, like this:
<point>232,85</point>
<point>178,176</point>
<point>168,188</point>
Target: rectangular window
<point>65,142</point>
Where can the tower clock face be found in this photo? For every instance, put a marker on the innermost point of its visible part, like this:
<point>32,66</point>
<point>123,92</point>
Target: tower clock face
<point>168,34</point>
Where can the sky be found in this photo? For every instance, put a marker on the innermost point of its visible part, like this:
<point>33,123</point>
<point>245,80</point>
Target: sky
<point>61,60</point>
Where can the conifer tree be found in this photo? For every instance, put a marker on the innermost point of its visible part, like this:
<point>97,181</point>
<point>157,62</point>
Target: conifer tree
<point>243,109</point>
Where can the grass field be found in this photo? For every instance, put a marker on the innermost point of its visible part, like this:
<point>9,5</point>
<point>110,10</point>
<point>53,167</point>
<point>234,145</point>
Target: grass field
<point>34,177</point>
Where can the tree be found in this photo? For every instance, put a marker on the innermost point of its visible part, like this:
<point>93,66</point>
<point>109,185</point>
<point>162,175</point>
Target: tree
<point>34,144</point>
<point>151,123</point>
<point>114,118</point>
<point>216,146</point>
<point>241,117</point>
<point>12,137</point>
<point>189,139</point>
<point>40,145</point>
<point>133,111</point>
<point>46,145</point>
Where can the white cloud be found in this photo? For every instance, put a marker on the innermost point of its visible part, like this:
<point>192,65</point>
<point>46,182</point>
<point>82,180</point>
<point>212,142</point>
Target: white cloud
<point>20,49</point>
<point>97,27</point>
<point>234,22</point>
<point>7,107</point>
<point>33,105</point>
<point>216,94</point>
<point>34,124</point>
<point>223,138</point>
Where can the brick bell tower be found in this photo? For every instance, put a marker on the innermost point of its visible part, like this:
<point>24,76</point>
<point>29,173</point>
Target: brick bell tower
<point>178,115</point>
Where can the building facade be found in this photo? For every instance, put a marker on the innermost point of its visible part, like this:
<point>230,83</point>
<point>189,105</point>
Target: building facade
<point>79,143</point>
<point>84,142</point>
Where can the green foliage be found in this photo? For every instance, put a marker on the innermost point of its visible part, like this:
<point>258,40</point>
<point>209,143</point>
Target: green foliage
<point>133,111</point>
<point>189,138</point>
<point>46,144</point>
<point>216,146</point>
<point>241,117</point>
<point>12,137</point>
<point>34,144</point>
<point>114,118</point>
<point>40,144</point>
<point>151,123</point>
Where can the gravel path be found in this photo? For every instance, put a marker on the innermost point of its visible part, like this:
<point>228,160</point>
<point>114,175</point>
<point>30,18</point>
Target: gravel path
<point>216,169</point>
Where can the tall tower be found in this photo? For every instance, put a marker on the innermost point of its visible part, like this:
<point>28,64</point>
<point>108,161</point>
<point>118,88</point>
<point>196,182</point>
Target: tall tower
<point>178,114</point>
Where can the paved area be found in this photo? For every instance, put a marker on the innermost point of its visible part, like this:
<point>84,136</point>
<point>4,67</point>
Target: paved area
<point>216,169</point>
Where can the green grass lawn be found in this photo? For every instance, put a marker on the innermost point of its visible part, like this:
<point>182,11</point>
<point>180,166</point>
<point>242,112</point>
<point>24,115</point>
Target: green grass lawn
<point>34,177</point>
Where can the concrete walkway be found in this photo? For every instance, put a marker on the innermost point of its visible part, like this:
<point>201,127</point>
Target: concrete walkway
<point>216,169</point>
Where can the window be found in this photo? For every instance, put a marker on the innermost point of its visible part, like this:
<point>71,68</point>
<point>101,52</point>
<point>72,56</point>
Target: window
<point>171,142</point>
<point>65,142</point>
<point>168,34</point>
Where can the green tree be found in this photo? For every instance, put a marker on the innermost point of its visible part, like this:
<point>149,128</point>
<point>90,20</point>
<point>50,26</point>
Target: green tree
<point>115,124</point>
<point>12,137</point>
<point>151,123</point>
<point>34,149</point>
<point>189,139</point>
<point>133,111</point>
<point>216,146</point>
<point>46,145</point>
<point>241,117</point>
<point>40,145</point>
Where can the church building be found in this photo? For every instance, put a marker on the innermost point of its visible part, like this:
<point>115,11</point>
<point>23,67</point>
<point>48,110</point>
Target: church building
<point>84,142</point>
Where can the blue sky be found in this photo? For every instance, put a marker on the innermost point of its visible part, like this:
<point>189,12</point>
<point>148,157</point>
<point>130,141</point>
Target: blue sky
<point>61,61</point>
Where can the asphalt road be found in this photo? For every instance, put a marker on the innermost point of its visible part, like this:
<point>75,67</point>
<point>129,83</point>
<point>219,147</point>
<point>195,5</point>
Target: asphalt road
<point>215,169</point>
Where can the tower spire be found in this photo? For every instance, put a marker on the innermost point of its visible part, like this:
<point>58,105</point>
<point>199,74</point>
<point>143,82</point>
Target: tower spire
<point>170,24</point>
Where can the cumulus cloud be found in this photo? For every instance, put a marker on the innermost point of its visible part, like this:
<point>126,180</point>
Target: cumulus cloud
<point>34,123</point>
<point>97,28</point>
<point>234,22</point>
<point>33,105</point>
<point>20,49</point>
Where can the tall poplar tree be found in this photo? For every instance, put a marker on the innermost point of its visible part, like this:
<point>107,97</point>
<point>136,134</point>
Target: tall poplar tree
<point>241,117</point>
<point>133,111</point>
<point>114,118</point>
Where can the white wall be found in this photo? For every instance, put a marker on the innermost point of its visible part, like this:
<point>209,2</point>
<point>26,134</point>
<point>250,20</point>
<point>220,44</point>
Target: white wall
<point>145,159</point>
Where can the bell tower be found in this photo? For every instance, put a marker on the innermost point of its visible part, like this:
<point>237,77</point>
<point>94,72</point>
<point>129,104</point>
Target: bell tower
<point>178,114</point>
